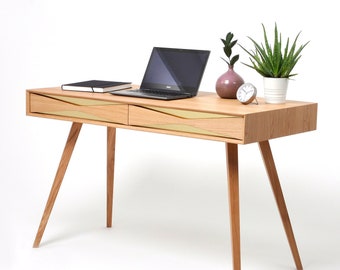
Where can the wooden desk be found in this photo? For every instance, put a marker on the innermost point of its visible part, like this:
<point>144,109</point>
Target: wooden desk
<point>206,116</point>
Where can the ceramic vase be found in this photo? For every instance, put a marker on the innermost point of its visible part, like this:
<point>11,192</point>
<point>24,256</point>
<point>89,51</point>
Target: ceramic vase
<point>275,90</point>
<point>228,83</point>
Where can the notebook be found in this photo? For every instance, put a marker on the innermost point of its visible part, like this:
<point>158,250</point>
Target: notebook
<point>171,74</point>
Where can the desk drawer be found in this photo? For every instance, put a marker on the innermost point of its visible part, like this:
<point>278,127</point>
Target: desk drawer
<point>183,121</point>
<point>74,108</point>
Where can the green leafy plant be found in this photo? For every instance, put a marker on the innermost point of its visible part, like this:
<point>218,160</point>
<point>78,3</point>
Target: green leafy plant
<point>274,60</point>
<point>229,43</point>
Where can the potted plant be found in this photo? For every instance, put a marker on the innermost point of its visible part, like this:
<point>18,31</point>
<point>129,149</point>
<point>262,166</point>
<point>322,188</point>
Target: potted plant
<point>228,83</point>
<point>275,62</point>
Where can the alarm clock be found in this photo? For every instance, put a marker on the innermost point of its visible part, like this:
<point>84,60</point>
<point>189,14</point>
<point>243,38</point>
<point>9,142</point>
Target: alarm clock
<point>246,93</point>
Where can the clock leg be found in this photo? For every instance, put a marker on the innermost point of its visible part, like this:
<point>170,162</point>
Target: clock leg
<point>280,201</point>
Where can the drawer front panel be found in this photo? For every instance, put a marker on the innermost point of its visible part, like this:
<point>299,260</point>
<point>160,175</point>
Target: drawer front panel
<point>79,108</point>
<point>217,125</point>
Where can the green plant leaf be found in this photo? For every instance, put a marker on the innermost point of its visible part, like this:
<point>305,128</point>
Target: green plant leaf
<point>229,37</point>
<point>234,59</point>
<point>229,43</point>
<point>269,60</point>
<point>227,51</point>
<point>232,44</point>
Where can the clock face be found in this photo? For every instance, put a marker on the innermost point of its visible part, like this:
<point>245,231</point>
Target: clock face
<point>246,93</point>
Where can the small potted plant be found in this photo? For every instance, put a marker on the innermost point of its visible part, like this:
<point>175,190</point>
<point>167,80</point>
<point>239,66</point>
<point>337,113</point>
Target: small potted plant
<point>275,62</point>
<point>228,83</point>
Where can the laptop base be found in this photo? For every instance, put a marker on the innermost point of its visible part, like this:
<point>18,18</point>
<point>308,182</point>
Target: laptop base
<point>145,94</point>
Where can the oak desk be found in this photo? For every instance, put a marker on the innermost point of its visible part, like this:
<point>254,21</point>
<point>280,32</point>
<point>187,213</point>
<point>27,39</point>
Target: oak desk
<point>206,116</point>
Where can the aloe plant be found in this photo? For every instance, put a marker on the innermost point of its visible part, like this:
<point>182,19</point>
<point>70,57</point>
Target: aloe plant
<point>229,43</point>
<point>273,61</point>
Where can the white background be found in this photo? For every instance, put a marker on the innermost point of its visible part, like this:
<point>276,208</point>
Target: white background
<point>171,203</point>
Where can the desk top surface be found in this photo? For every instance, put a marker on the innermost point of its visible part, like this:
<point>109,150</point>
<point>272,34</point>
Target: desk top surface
<point>203,102</point>
<point>205,116</point>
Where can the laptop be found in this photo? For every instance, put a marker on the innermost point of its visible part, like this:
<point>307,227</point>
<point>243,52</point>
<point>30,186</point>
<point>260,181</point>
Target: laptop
<point>171,74</point>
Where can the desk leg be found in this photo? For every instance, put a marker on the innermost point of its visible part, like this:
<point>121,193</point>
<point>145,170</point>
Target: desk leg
<point>280,201</point>
<point>111,144</point>
<point>64,161</point>
<point>234,205</point>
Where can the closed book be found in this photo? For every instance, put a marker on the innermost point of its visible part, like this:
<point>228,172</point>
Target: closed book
<point>98,86</point>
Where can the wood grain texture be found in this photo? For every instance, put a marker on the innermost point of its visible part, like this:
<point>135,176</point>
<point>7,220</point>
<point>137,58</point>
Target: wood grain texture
<point>280,201</point>
<point>206,116</point>
<point>79,109</point>
<point>234,202</point>
<point>111,148</point>
<point>218,125</point>
<point>64,161</point>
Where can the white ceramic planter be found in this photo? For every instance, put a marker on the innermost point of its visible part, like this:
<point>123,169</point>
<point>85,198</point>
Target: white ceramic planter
<point>275,90</point>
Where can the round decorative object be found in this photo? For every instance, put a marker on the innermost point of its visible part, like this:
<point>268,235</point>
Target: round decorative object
<point>246,93</point>
<point>228,83</point>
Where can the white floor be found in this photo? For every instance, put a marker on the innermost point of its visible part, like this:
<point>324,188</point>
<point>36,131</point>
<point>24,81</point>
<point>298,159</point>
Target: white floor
<point>171,207</point>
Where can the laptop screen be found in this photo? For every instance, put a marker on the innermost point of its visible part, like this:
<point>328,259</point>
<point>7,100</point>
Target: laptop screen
<point>175,69</point>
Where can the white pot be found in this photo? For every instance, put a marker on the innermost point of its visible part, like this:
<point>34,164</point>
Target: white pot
<point>275,90</point>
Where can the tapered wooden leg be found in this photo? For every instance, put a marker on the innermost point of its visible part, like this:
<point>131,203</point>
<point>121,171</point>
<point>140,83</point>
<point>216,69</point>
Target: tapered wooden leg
<point>111,144</point>
<point>233,188</point>
<point>64,161</point>
<point>276,187</point>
